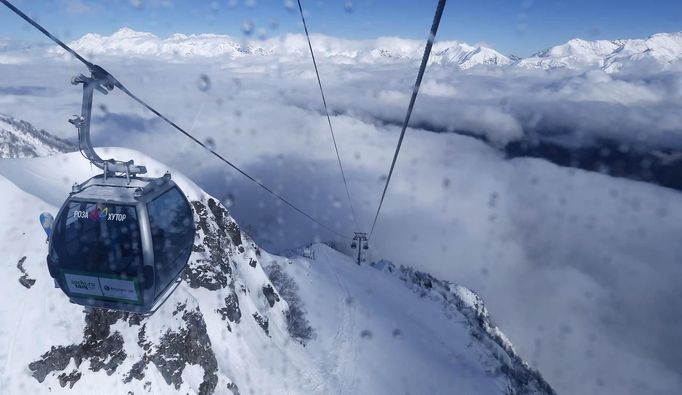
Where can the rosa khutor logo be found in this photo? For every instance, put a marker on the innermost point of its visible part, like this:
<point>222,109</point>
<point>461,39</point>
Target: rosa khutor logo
<point>98,213</point>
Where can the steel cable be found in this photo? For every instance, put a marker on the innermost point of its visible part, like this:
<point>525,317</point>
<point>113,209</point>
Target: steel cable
<point>329,121</point>
<point>415,91</point>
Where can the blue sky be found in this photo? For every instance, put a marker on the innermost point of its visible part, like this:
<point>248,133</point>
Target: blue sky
<point>512,26</point>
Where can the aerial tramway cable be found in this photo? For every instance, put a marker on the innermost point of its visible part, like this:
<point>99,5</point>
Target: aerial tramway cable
<point>415,91</point>
<point>326,111</point>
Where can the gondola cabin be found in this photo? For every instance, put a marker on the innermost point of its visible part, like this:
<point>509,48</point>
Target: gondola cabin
<point>121,243</point>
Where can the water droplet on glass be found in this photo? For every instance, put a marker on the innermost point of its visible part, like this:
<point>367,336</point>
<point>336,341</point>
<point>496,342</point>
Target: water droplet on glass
<point>492,202</point>
<point>228,201</point>
<point>289,5</point>
<point>348,6</point>
<point>247,27</point>
<point>210,143</point>
<point>237,84</point>
<point>204,83</point>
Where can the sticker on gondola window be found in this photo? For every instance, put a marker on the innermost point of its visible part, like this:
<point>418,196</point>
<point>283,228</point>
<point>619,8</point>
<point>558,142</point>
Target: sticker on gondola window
<point>85,285</point>
<point>118,289</point>
<point>98,214</point>
<point>102,287</point>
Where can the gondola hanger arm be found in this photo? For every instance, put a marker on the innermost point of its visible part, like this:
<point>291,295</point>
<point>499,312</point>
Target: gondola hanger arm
<point>104,82</point>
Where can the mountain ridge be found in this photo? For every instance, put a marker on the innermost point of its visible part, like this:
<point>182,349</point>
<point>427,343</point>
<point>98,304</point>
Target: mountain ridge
<point>660,49</point>
<point>20,139</point>
<point>126,41</point>
<point>611,56</point>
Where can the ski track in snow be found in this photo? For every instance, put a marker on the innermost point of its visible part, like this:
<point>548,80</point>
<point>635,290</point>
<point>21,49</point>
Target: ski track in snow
<point>10,347</point>
<point>346,338</point>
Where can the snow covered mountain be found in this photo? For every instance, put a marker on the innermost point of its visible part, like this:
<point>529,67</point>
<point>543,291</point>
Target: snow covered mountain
<point>20,139</point>
<point>243,320</point>
<point>610,55</point>
<point>129,42</point>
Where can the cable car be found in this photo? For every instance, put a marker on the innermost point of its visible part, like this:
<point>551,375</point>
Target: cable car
<point>121,244</point>
<point>361,238</point>
<point>120,241</point>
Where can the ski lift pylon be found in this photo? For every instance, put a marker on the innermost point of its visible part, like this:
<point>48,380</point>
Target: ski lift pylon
<point>360,242</point>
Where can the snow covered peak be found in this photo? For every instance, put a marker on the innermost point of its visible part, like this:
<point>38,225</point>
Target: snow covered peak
<point>20,139</point>
<point>126,32</point>
<point>128,42</point>
<point>468,58</point>
<point>579,47</point>
<point>659,50</point>
<point>576,53</point>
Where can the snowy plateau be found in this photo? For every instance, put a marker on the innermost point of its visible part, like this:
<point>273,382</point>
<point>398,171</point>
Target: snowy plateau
<point>243,321</point>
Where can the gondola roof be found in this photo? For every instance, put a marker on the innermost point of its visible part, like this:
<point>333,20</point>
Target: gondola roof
<point>118,189</point>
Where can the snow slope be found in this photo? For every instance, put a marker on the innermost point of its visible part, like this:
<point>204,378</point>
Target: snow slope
<point>243,320</point>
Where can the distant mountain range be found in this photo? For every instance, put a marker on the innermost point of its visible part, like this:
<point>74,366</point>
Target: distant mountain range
<point>659,50</point>
<point>386,49</point>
